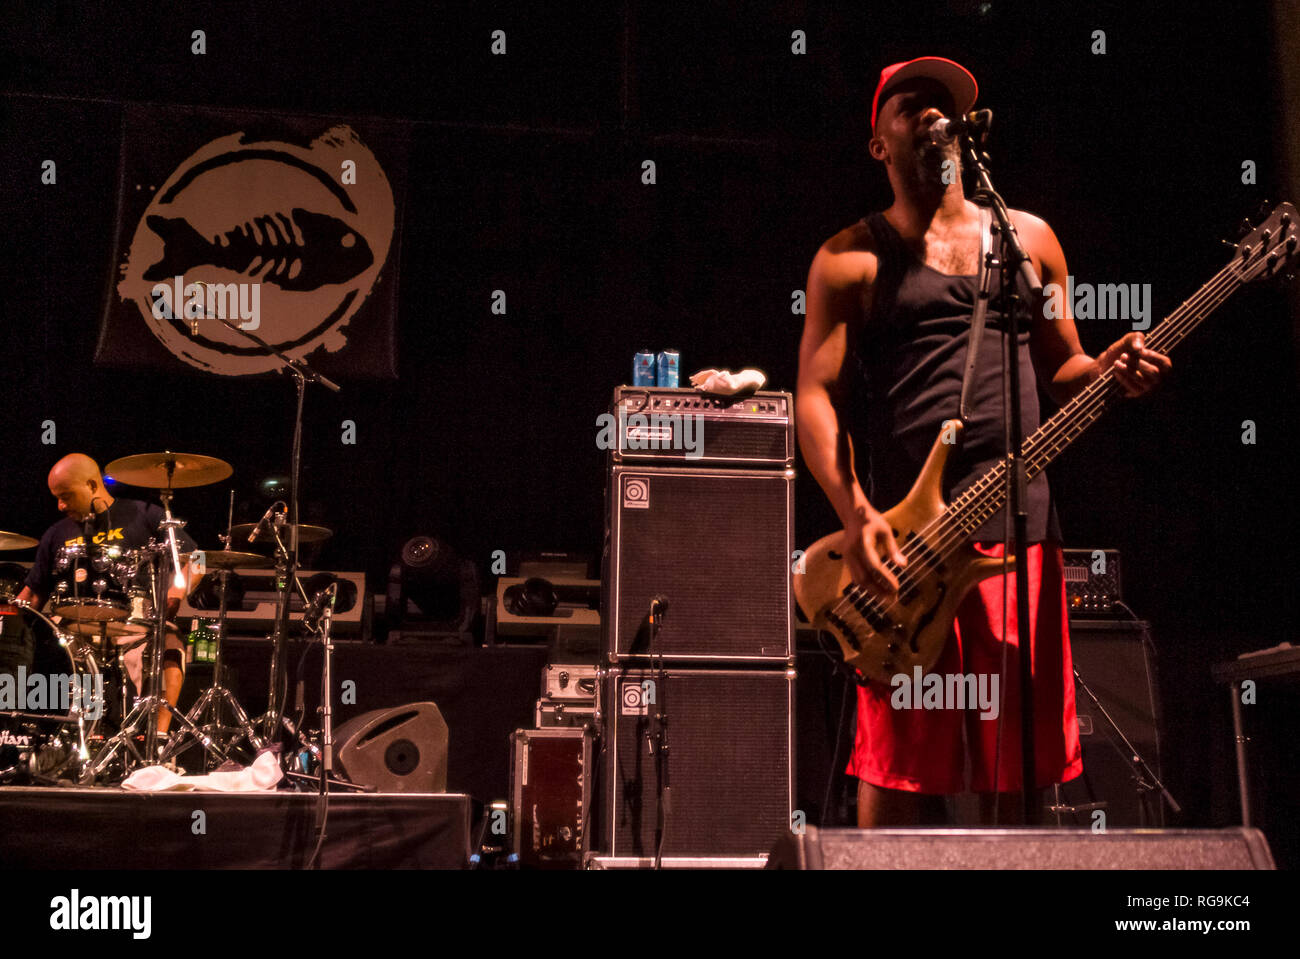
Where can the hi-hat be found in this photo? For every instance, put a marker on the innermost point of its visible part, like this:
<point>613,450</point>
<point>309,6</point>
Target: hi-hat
<point>168,470</point>
<point>306,533</point>
<point>15,541</point>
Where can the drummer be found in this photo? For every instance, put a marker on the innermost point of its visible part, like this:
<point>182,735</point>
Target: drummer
<point>89,508</point>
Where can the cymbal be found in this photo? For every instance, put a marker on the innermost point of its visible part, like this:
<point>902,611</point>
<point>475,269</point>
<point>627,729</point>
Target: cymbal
<point>15,541</point>
<point>230,558</point>
<point>306,533</point>
<point>168,470</point>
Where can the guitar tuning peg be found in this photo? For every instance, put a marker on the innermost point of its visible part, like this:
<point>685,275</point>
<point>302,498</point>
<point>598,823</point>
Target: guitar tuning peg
<point>1246,226</point>
<point>1229,244</point>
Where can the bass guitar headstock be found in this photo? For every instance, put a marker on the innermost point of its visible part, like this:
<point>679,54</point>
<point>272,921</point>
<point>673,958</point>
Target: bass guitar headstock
<point>1270,247</point>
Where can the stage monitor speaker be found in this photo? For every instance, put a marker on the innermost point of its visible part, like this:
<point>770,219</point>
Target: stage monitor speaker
<point>402,749</point>
<point>1021,849</point>
<point>1117,662</point>
<point>730,761</point>
<point>717,544</point>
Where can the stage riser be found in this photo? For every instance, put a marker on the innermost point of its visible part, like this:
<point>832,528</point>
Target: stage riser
<point>113,829</point>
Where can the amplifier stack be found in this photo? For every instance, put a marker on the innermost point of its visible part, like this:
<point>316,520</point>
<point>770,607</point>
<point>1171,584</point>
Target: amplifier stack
<point>700,510</point>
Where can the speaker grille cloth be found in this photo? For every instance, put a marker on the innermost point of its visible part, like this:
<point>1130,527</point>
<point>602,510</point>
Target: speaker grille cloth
<point>717,546</point>
<point>729,754</point>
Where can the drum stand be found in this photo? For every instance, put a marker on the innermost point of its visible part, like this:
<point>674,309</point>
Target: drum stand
<point>216,696</point>
<point>146,708</point>
<point>274,721</point>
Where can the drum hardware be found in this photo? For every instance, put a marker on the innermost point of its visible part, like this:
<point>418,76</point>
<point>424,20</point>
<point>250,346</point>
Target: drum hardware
<point>165,472</point>
<point>146,707</point>
<point>217,695</point>
<point>317,618</point>
<point>274,722</point>
<point>302,374</point>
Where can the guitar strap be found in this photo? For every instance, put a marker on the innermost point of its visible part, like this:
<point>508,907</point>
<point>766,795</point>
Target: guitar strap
<point>988,262</point>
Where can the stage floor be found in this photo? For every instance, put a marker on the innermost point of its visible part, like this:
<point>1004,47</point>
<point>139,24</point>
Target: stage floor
<point>110,828</point>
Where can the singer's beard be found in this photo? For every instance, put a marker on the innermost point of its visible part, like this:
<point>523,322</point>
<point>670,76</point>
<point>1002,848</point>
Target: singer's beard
<point>932,166</point>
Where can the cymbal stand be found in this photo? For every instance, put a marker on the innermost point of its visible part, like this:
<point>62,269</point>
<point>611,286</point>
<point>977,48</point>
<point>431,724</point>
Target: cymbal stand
<point>274,722</point>
<point>147,706</point>
<point>302,375</point>
<point>216,696</point>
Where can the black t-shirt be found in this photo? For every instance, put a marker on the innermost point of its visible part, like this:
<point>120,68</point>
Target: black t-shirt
<point>128,524</point>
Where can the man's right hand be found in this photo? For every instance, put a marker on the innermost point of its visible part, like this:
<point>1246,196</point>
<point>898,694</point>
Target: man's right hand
<point>868,544</point>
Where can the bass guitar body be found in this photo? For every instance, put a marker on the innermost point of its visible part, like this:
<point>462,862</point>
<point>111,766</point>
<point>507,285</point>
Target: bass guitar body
<point>880,638</point>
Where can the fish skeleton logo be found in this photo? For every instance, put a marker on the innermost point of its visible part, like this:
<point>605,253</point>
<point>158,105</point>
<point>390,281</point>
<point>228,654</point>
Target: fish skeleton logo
<point>269,236</point>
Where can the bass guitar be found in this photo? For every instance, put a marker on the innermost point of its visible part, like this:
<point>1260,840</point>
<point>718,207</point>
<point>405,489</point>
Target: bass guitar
<point>880,638</point>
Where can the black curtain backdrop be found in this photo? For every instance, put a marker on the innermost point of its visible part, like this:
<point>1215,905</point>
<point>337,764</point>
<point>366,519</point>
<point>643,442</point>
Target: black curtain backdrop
<point>525,175</point>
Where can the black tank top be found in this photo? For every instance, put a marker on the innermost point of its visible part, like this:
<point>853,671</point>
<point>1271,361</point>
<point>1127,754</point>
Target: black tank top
<point>911,354</point>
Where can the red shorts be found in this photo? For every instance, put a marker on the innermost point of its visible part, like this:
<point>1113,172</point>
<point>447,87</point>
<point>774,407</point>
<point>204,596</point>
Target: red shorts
<point>920,750</point>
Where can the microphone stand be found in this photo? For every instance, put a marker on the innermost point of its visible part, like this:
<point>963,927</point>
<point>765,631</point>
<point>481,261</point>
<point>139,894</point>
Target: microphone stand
<point>1014,260</point>
<point>302,374</point>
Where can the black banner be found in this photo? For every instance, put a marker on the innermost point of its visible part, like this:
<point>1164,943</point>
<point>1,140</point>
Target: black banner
<point>286,226</point>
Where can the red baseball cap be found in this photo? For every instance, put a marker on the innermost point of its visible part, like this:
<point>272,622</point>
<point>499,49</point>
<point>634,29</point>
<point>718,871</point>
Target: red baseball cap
<point>959,81</point>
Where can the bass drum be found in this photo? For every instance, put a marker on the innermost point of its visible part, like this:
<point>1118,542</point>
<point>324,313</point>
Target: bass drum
<point>50,707</point>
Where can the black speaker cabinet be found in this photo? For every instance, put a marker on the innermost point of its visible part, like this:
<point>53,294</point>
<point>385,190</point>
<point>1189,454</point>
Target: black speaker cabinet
<point>717,544</point>
<point>730,761</point>
<point>402,749</point>
<point>1021,849</point>
<point>1116,660</point>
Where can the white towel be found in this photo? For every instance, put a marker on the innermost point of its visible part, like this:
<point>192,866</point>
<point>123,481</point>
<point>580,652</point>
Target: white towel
<point>262,775</point>
<point>726,382</point>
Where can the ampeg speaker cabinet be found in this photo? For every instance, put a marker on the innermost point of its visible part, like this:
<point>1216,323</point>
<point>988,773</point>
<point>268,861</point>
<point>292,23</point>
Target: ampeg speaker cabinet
<point>550,790</point>
<point>730,761</point>
<point>685,426</point>
<point>1021,849</point>
<point>402,749</point>
<point>717,545</point>
<point>1116,660</point>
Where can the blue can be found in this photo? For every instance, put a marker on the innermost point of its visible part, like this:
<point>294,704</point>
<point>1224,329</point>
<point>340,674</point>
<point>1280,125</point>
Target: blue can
<point>643,369</point>
<point>669,364</point>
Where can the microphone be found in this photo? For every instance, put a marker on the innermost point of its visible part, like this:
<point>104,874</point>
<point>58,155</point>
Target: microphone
<point>658,607</point>
<point>261,523</point>
<point>945,130</point>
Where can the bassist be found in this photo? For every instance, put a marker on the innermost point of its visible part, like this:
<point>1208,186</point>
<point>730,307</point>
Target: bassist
<point>889,303</point>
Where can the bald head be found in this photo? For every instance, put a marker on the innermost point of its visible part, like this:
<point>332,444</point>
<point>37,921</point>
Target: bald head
<point>75,481</point>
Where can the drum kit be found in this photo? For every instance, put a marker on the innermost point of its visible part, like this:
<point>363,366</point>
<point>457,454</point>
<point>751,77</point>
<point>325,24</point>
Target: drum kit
<point>108,601</point>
